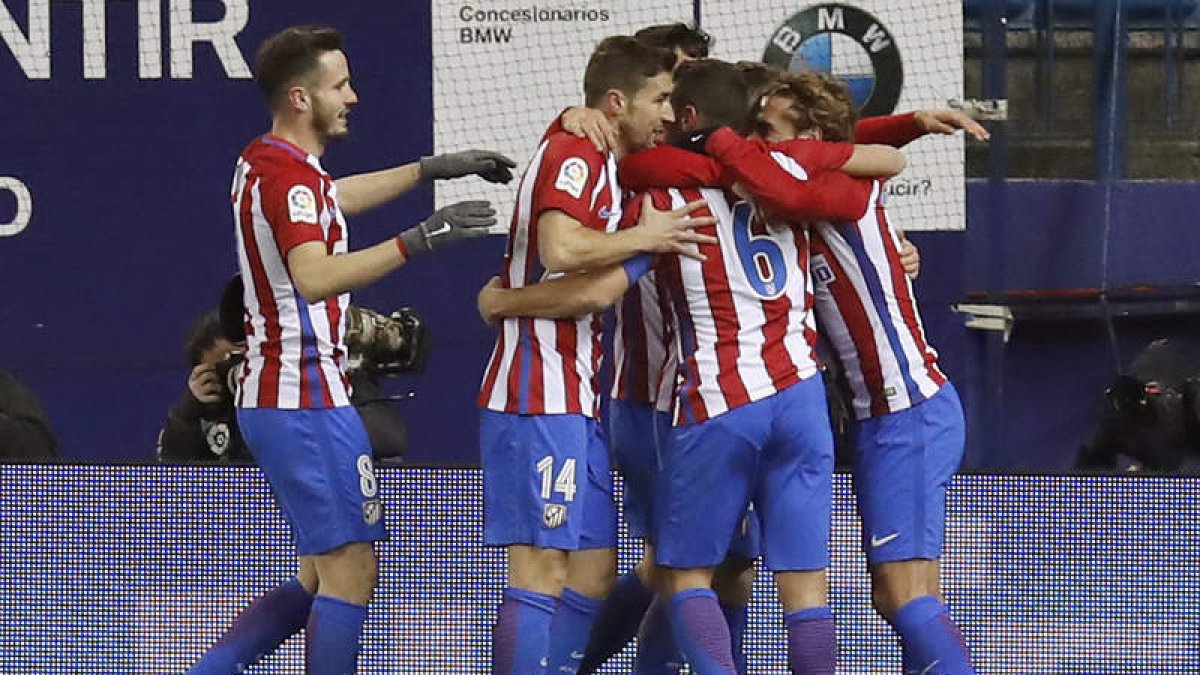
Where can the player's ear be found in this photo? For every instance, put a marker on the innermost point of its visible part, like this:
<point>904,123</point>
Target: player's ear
<point>298,99</point>
<point>615,102</point>
<point>690,119</point>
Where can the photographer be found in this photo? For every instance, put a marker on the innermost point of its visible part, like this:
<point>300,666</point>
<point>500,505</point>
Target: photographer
<point>1152,414</point>
<point>202,426</point>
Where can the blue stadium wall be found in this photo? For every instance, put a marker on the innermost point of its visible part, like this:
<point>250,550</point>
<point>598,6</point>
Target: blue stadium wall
<point>136,570</point>
<point>130,239</point>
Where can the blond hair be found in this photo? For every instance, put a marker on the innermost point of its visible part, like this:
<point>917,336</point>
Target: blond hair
<point>820,102</point>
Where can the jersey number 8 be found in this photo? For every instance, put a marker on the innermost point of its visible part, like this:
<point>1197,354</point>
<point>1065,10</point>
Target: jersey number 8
<point>366,477</point>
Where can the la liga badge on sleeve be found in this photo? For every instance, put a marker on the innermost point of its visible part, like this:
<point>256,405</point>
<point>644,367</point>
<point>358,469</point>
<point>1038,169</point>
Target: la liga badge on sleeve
<point>572,176</point>
<point>302,205</point>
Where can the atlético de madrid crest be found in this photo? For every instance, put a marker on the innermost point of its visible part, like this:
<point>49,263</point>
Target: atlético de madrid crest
<point>846,42</point>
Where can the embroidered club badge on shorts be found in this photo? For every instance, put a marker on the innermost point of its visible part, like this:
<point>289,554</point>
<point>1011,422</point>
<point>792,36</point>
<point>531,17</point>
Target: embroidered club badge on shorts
<point>372,511</point>
<point>572,177</point>
<point>554,515</point>
<point>302,205</point>
<point>822,273</point>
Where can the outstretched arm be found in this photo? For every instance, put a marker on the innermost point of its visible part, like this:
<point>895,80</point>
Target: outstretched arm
<point>782,186</point>
<point>900,130</point>
<point>874,161</point>
<point>564,244</point>
<point>365,191</point>
<point>572,295</point>
<point>319,275</point>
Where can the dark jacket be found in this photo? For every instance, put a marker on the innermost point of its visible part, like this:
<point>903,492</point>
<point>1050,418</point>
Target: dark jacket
<point>24,431</point>
<point>198,432</point>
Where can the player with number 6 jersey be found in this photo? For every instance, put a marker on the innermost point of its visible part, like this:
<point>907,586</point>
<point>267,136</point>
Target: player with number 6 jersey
<point>750,419</point>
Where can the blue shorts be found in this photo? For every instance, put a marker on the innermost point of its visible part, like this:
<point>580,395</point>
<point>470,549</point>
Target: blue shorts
<point>903,463</point>
<point>776,452</point>
<point>635,437</point>
<point>318,464</point>
<point>547,482</point>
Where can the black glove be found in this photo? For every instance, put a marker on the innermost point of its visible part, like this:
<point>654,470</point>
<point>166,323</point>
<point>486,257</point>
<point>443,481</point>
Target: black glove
<point>463,220</point>
<point>490,166</point>
<point>696,140</point>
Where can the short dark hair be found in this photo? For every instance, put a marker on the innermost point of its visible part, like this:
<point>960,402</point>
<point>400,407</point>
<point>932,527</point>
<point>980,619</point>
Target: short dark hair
<point>204,333</point>
<point>623,63</point>
<point>290,54</point>
<point>671,36</point>
<point>716,90</point>
<point>758,76</point>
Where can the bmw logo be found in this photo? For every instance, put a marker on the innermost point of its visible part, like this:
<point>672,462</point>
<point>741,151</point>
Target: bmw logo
<point>845,42</point>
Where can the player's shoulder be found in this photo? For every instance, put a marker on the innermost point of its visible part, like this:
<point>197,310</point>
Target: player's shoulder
<point>562,146</point>
<point>570,165</point>
<point>269,156</point>
<point>817,152</point>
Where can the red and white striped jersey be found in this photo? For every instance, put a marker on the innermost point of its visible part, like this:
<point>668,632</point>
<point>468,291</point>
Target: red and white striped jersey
<point>744,314</point>
<point>544,366</point>
<point>295,352</point>
<point>643,346</point>
<point>867,309</point>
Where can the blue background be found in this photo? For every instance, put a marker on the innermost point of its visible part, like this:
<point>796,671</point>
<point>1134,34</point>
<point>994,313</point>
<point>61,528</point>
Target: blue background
<point>131,239</point>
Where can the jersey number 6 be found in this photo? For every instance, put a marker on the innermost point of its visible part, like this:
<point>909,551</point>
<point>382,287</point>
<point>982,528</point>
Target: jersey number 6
<point>760,255</point>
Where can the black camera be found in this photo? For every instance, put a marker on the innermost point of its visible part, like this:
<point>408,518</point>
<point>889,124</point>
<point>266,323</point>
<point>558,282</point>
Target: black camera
<point>228,370</point>
<point>378,344</point>
<point>1151,414</point>
<point>387,345</point>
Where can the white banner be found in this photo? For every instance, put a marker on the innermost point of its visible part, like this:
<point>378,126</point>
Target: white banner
<point>503,71</point>
<point>896,57</point>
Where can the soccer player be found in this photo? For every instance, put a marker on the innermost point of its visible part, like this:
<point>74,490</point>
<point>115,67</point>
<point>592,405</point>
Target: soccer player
<point>909,433</point>
<point>537,428</point>
<point>293,401</point>
<point>750,420</point>
<point>637,422</point>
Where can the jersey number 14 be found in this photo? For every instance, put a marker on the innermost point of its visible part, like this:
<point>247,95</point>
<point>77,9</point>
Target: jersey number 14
<point>563,483</point>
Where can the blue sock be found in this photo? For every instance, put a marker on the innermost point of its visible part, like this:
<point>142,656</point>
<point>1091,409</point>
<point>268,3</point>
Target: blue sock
<point>735,617</point>
<point>812,642</point>
<point>258,630</point>
<point>521,632</point>
<point>657,653</point>
<point>333,633</point>
<point>931,637</point>
<point>569,630</point>
<point>617,622</point>
<point>701,632</point>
